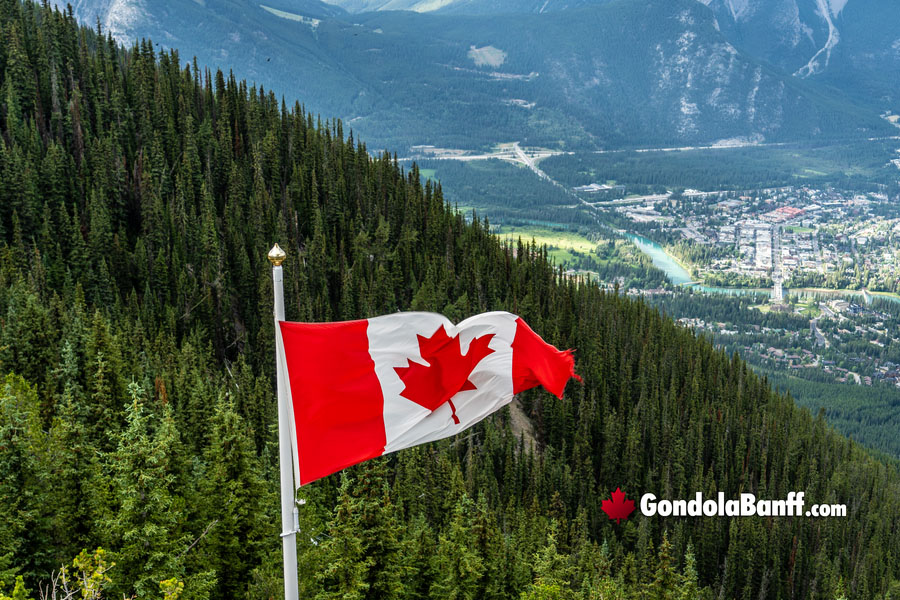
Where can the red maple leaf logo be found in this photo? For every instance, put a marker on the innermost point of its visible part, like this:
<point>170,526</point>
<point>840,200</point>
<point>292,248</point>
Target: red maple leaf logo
<point>446,371</point>
<point>618,508</point>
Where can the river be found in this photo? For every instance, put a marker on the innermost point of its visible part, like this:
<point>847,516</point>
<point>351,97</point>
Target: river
<point>661,259</point>
<point>679,276</point>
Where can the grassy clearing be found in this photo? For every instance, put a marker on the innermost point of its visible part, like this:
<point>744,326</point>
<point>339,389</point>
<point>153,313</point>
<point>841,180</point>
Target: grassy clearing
<point>561,245</point>
<point>563,241</point>
<point>798,229</point>
<point>560,256</point>
<point>808,308</point>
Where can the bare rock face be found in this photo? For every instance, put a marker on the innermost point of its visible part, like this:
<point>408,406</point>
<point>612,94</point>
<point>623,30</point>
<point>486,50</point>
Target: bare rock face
<point>124,19</point>
<point>798,35</point>
<point>849,44</point>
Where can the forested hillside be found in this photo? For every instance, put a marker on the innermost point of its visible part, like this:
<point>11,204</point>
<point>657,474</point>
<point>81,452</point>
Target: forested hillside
<point>138,198</point>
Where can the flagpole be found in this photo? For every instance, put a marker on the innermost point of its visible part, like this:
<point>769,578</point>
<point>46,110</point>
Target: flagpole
<point>288,490</point>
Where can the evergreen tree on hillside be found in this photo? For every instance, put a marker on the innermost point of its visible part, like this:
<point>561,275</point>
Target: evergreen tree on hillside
<point>145,519</point>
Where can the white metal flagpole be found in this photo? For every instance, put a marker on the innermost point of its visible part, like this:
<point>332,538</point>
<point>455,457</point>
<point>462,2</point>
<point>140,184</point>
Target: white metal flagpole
<point>288,490</point>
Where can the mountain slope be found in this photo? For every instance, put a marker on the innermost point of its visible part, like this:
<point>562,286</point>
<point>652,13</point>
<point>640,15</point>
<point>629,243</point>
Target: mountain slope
<point>621,73</point>
<point>849,44</point>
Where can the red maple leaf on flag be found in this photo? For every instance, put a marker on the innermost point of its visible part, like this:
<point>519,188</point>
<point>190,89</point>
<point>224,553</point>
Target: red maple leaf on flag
<point>618,508</point>
<point>446,371</point>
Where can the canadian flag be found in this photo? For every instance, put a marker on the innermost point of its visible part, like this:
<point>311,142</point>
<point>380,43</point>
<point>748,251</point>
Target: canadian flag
<point>361,389</point>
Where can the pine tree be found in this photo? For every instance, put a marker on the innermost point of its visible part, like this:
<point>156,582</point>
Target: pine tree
<point>75,464</point>
<point>347,565</point>
<point>690,587</point>
<point>457,566</point>
<point>552,573</point>
<point>145,523</point>
<point>664,585</point>
<point>235,500</point>
<point>23,525</point>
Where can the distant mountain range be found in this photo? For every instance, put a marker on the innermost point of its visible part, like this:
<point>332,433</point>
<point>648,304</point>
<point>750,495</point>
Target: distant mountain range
<point>853,44</point>
<point>559,73</point>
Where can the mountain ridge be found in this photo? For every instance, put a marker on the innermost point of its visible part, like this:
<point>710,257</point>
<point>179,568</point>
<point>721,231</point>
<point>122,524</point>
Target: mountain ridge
<point>562,79</point>
<point>848,44</point>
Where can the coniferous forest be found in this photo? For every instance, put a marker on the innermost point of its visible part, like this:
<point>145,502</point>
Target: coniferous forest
<point>138,444</point>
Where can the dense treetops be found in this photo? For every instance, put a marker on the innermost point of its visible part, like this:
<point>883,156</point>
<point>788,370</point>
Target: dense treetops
<point>138,198</point>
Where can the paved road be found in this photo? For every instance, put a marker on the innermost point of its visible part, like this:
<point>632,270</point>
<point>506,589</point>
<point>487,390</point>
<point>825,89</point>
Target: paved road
<point>820,338</point>
<point>514,155</point>
<point>816,253</point>
<point>529,162</point>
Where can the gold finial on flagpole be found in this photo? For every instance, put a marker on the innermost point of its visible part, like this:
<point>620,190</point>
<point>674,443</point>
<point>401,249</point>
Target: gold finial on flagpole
<point>276,255</point>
